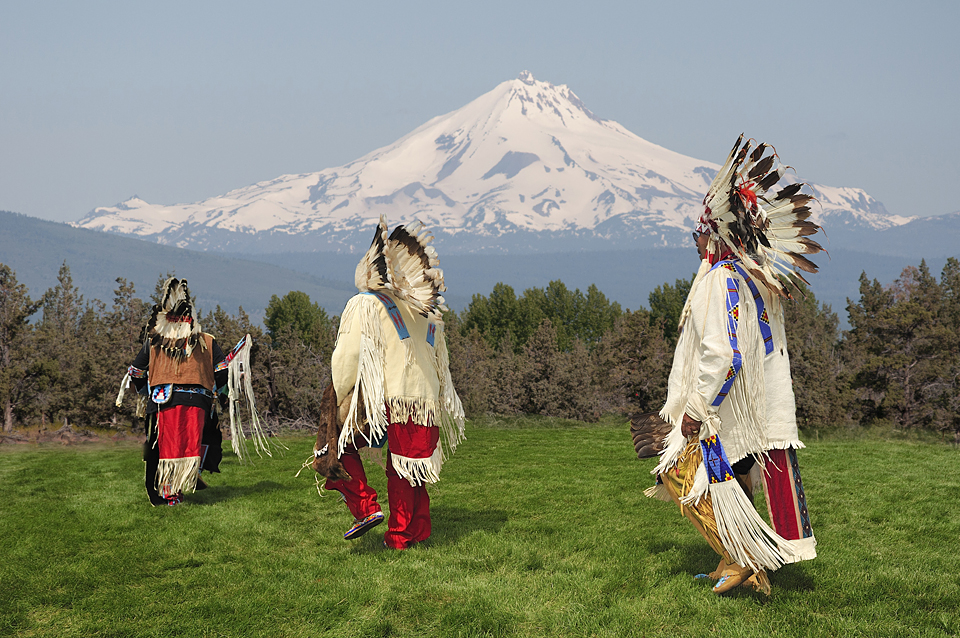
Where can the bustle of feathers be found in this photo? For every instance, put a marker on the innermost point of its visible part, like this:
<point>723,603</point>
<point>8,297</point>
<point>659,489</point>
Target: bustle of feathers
<point>174,326</point>
<point>767,233</point>
<point>649,433</point>
<point>405,264</point>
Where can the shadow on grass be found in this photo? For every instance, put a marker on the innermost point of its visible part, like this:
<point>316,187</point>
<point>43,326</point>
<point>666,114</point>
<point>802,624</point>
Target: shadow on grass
<point>448,525</point>
<point>219,493</point>
<point>695,558</point>
<point>793,578</point>
<point>451,523</point>
<point>685,558</point>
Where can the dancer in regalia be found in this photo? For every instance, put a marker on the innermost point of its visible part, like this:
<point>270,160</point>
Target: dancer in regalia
<point>391,385</point>
<point>730,403</point>
<point>184,380</point>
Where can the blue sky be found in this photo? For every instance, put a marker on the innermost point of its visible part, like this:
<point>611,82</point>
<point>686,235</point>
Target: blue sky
<point>179,101</point>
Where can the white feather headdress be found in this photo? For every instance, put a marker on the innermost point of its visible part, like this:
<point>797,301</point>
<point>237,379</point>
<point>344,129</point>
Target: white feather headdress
<point>174,326</point>
<point>768,234</point>
<point>406,265</point>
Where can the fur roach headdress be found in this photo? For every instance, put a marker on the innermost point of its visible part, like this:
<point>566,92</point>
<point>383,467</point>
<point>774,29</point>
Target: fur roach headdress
<point>768,234</point>
<point>174,326</point>
<point>405,264</point>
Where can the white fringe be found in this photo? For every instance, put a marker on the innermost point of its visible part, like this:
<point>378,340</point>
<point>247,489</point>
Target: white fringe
<point>123,389</point>
<point>422,411</point>
<point>701,273</point>
<point>419,471</point>
<point>141,400</point>
<point>369,379</point>
<point>673,411</point>
<point>795,444</point>
<point>240,385</point>
<point>178,474</point>
<point>745,535</point>
<point>658,492</point>
<point>806,549</point>
<point>675,444</point>
<point>452,418</point>
<point>748,399</point>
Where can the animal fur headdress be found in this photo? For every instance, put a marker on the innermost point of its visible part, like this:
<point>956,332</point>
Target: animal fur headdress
<point>768,234</point>
<point>174,326</point>
<point>405,264</point>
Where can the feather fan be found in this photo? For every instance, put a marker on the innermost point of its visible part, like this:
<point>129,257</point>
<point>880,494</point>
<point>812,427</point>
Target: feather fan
<point>649,433</point>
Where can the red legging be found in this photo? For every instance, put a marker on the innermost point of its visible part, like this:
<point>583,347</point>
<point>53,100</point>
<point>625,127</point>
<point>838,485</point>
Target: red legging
<point>409,511</point>
<point>360,497</point>
<point>409,505</point>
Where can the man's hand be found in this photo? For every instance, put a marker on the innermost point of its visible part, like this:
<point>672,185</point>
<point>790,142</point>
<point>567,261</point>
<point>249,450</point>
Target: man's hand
<point>690,427</point>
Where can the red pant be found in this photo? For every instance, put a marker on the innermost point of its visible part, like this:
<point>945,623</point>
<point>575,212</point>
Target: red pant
<point>409,521</point>
<point>409,511</point>
<point>360,497</point>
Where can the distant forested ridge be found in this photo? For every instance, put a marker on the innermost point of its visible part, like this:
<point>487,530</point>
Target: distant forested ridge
<point>551,351</point>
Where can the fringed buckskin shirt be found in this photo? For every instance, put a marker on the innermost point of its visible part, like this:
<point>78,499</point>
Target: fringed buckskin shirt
<point>398,360</point>
<point>731,367</point>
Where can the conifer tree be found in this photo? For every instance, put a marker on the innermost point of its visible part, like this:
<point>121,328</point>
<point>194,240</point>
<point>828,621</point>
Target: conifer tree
<point>125,323</point>
<point>666,304</point>
<point>19,376</point>
<point>897,338</point>
<point>538,368</point>
<point>633,362</point>
<point>471,364</point>
<point>949,399</point>
<point>813,338</point>
<point>59,340</point>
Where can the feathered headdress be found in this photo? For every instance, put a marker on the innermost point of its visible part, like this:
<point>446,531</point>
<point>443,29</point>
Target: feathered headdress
<point>372,272</point>
<point>768,234</point>
<point>406,265</point>
<point>174,326</point>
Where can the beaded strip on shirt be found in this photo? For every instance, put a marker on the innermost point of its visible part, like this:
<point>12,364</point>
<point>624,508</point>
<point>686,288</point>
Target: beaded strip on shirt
<point>223,365</point>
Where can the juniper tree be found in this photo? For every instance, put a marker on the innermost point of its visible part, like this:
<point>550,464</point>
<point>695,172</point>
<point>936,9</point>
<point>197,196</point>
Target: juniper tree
<point>813,338</point>
<point>897,338</point>
<point>18,374</point>
<point>666,304</point>
<point>295,311</point>
<point>471,366</point>
<point>572,314</point>
<point>950,316</point>
<point>633,363</point>
<point>60,340</point>
<point>502,315</point>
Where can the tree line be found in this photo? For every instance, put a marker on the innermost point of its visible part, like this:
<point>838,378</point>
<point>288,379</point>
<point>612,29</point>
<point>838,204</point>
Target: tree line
<point>550,351</point>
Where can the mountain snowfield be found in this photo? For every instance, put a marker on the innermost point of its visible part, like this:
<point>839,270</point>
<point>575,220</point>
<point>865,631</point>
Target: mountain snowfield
<point>523,168</point>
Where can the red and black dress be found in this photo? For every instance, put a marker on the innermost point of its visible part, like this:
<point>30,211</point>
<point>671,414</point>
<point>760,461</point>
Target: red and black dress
<point>183,434</point>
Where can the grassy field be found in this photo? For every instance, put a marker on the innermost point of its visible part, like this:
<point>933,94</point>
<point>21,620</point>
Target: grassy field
<point>540,529</point>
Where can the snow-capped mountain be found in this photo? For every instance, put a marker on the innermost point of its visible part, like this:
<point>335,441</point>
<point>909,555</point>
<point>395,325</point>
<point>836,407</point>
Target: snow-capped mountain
<point>524,167</point>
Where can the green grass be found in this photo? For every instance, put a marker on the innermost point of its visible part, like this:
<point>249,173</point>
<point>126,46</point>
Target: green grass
<point>539,530</point>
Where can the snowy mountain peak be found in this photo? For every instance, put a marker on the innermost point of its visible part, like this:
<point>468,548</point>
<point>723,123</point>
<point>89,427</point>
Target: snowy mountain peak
<point>524,166</point>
